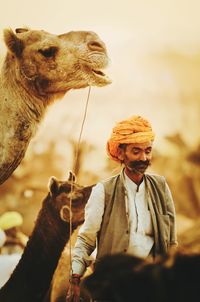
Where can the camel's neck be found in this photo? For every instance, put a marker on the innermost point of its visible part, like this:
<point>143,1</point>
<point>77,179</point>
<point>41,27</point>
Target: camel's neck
<point>18,92</point>
<point>20,113</point>
<point>32,276</point>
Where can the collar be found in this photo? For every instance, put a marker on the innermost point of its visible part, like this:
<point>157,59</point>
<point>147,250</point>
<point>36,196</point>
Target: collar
<point>130,184</point>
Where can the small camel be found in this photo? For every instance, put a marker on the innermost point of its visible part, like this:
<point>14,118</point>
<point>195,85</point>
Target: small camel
<point>40,68</point>
<point>32,276</point>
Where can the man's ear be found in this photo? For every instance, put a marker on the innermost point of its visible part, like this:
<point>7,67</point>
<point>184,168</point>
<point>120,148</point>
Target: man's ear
<point>121,154</point>
<point>13,43</point>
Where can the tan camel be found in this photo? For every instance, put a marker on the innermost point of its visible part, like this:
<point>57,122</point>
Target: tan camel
<point>38,69</point>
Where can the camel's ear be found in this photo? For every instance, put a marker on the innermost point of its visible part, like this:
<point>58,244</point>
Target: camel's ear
<point>13,43</point>
<point>72,176</point>
<point>21,30</point>
<point>53,185</point>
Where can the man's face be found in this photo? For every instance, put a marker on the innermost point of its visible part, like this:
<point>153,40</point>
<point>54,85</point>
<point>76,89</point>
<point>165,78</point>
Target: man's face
<point>136,157</point>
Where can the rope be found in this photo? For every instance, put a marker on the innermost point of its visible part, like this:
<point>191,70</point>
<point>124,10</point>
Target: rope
<point>72,186</point>
<point>81,131</point>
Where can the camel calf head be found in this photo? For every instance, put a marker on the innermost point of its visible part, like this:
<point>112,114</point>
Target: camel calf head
<point>32,276</point>
<point>49,65</point>
<point>64,193</point>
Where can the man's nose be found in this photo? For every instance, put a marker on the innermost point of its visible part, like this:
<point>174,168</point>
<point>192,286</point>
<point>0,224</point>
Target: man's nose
<point>143,156</point>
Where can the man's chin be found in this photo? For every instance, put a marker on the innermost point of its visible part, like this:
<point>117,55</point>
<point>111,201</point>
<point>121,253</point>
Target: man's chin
<point>142,169</point>
<point>139,170</point>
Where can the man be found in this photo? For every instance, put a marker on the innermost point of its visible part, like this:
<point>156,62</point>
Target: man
<point>132,212</point>
<point>16,240</point>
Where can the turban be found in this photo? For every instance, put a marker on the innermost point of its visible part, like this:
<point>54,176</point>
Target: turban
<point>10,219</point>
<point>133,130</point>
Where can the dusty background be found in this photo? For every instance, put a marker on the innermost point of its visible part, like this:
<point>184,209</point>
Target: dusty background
<point>154,47</point>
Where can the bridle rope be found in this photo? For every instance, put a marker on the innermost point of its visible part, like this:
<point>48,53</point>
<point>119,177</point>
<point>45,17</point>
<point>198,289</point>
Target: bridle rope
<point>72,185</point>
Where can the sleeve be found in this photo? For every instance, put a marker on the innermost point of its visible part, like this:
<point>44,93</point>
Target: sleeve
<point>2,238</point>
<point>172,216</point>
<point>87,235</point>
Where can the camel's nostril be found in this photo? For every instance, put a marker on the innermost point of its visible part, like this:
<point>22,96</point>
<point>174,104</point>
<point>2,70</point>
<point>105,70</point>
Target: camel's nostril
<point>94,45</point>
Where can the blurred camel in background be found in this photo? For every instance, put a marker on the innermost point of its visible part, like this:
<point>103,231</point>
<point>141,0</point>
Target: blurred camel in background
<point>40,68</point>
<point>32,276</point>
<point>123,278</point>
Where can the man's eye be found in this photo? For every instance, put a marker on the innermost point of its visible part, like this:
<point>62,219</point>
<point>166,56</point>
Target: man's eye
<point>148,151</point>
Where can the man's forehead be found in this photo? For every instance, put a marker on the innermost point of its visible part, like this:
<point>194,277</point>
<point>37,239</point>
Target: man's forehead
<point>140,145</point>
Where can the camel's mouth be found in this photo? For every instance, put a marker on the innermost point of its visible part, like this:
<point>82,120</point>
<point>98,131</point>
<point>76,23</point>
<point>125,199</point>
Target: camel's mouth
<point>99,72</point>
<point>101,76</point>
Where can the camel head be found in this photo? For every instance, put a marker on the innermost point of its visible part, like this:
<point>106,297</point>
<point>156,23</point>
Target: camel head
<point>48,65</point>
<point>64,192</point>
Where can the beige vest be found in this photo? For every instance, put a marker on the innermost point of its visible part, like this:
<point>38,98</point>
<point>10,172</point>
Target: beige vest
<point>113,236</point>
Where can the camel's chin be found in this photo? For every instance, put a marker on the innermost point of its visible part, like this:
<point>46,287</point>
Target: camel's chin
<point>100,79</point>
<point>59,94</point>
<point>93,79</point>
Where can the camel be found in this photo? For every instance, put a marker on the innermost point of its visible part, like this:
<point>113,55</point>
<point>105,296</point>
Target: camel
<point>38,69</point>
<point>32,276</point>
<point>122,278</point>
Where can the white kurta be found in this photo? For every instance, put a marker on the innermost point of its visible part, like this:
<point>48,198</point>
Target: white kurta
<point>141,228</point>
<point>141,232</point>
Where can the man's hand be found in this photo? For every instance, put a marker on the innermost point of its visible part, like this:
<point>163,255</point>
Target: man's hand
<point>73,294</point>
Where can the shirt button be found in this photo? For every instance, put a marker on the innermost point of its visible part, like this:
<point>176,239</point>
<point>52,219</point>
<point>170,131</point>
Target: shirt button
<point>125,250</point>
<point>127,232</point>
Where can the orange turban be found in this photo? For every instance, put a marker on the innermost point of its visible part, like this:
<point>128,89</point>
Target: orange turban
<point>133,130</point>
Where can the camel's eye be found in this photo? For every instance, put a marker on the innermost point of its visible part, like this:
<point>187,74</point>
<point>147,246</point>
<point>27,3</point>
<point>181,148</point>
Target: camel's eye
<point>49,52</point>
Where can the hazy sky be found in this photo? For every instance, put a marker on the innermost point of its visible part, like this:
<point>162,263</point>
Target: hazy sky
<point>147,21</point>
<point>129,28</point>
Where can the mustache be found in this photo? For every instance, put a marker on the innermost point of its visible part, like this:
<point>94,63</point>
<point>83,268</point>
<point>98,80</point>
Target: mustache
<point>139,163</point>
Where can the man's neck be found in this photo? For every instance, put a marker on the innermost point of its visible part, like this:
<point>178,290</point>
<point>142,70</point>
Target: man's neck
<point>134,176</point>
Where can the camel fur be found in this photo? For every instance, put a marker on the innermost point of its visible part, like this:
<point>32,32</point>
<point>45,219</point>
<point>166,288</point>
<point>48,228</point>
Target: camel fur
<point>38,69</point>
<point>32,276</point>
<point>123,278</point>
